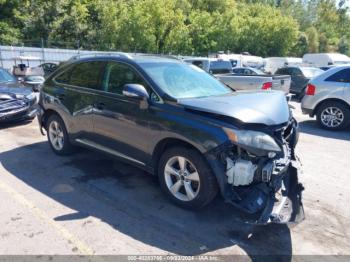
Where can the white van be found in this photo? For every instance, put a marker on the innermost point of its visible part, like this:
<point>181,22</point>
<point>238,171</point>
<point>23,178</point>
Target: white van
<point>274,63</point>
<point>211,65</point>
<point>238,60</point>
<point>325,59</point>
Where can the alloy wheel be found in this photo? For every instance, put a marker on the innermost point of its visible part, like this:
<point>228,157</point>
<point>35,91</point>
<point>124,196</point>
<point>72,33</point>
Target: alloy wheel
<point>56,135</point>
<point>332,117</point>
<point>181,178</point>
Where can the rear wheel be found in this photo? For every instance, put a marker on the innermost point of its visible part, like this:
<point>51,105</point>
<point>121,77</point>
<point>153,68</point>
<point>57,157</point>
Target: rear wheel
<point>186,178</point>
<point>58,136</point>
<point>333,116</point>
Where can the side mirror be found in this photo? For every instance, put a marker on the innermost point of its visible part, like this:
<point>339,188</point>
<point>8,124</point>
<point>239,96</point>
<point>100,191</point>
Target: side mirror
<point>135,91</point>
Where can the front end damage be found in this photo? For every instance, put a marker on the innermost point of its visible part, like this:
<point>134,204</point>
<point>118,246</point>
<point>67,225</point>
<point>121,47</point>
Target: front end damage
<point>13,108</point>
<point>264,184</point>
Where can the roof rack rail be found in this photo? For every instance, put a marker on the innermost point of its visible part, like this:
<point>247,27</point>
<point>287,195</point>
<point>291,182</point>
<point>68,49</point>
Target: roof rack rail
<point>160,55</point>
<point>119,54</point>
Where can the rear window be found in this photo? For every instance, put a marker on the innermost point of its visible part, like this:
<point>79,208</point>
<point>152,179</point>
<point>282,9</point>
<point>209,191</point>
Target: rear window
<point>220,67</point>
<point>311,72</point>
<point>340,76</point>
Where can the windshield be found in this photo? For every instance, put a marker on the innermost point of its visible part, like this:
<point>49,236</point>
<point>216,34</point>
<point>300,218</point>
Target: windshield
<point>311,72</point>
<point>6,77</point>
<point>184,81</point>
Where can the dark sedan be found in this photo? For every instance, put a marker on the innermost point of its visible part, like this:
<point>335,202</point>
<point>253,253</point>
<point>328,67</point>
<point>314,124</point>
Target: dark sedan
<point>16,101</point>
<point>300,76</point>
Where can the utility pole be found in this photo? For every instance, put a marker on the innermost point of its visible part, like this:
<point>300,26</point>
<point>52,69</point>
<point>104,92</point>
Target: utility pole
<point>43,49</point>
<point>2,63</point>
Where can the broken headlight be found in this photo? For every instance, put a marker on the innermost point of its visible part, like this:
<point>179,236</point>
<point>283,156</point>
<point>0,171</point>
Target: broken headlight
<point>252,139</point>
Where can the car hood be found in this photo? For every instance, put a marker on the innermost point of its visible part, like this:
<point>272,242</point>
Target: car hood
<point>264,107</point>
<point>15,88</point>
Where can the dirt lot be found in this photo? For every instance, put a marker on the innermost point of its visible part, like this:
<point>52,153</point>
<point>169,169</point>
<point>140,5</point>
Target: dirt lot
<point>91,204</point>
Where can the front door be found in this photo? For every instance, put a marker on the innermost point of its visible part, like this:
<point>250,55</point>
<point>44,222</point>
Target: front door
<point>120,123</point>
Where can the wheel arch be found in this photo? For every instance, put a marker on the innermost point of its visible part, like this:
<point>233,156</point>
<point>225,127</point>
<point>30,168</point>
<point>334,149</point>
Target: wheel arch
<point>338,100</point>
<point>165,144</point>
<point>47,114</point>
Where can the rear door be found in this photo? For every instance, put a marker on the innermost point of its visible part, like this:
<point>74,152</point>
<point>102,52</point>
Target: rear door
<point>74,92</point>
<point>341,81</point>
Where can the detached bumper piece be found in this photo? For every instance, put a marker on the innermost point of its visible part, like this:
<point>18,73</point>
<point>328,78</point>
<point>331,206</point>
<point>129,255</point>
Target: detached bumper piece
<point>277,201</point>
<point>285,206</point>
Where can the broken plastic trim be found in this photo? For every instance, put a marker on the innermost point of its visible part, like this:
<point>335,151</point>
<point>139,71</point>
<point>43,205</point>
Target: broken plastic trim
<point>286,209</point>
<point>289,208</point>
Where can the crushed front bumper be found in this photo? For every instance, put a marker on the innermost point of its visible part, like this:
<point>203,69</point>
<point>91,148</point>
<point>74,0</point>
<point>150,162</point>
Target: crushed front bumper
<point>279,201</point>
<point>285,205</point>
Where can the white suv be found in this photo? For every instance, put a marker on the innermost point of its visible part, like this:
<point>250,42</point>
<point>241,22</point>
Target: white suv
<point>328,97</point>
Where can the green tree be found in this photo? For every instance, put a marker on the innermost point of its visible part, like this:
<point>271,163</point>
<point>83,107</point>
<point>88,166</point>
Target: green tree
<point>301,46</point>
<point>312,36</point>
<point>344,46</point>
<point>265,31</point>
<point>72,26</point>
<point>8,34</point>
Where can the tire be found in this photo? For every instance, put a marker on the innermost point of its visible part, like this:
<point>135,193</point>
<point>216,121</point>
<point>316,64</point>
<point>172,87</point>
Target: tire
<point>203,185</point>
<point>340,113</point>
<point>60,148</point>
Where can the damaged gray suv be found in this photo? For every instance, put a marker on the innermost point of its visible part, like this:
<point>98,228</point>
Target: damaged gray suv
<point>179,123</point>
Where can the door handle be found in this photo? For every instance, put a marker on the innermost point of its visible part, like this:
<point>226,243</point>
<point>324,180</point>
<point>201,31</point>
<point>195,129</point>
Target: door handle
<point>100,106</point>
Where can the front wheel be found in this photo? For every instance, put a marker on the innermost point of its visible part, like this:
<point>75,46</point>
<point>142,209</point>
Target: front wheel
<point>186,178</point>
<point>333,116</point>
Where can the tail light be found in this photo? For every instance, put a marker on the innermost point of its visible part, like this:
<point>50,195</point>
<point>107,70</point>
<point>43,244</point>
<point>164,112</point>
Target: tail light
<point>266,86</point>
<point>310,90</point>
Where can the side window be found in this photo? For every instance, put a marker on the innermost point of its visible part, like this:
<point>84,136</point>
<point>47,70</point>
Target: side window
<point>282,71</point>
<point>64,77</point>
<point>117,75</point>
<point>247,72</point>
<point>198,63</point>
<point>340,76</point>
<point>296,72</point>
<point>87,74</point>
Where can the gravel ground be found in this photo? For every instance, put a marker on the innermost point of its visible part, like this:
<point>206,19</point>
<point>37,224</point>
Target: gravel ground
<point>91,204</point>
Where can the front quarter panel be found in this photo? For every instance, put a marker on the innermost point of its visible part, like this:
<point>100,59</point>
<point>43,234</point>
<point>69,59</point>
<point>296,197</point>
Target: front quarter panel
<point>175,122</point>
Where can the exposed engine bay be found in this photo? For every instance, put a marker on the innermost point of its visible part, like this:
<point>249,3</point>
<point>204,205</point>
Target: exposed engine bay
<point>265,184</point>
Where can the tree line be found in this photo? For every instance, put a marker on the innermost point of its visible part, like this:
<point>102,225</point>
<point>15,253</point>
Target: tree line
<point>188,27</point>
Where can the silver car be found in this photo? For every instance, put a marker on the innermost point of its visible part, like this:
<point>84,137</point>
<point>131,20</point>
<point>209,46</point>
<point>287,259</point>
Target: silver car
<point>328,97</point>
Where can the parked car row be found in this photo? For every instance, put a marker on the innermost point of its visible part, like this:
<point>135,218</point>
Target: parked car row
<point>222,70</point>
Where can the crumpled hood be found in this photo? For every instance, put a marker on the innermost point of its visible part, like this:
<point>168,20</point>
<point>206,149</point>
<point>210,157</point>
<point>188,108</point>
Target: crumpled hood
<point>253,107</point>
<point>15,88</point>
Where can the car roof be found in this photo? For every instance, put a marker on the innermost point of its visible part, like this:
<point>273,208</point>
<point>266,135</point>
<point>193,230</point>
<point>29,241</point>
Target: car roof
<point>300,67</point>
<point>136,57</point>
